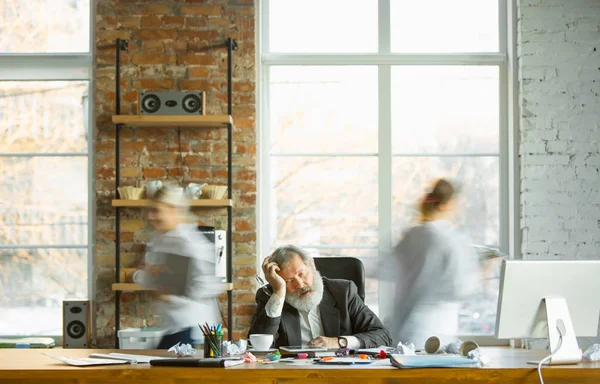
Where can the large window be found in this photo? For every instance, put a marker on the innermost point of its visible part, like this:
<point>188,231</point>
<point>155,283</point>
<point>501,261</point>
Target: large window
<point>45,149</point>
<point>359,112</point>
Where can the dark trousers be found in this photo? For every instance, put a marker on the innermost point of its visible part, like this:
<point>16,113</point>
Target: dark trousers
<point>183,337</point>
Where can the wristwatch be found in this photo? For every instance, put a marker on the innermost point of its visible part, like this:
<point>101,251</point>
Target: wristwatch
<point>343,342</point>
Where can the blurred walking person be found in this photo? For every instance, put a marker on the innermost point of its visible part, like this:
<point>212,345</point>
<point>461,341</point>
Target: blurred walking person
<point>434,268</point>
<point>180,266</point>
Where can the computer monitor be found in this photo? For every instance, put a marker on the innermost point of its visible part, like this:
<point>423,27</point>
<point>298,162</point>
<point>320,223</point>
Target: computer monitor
<point>554,299</point>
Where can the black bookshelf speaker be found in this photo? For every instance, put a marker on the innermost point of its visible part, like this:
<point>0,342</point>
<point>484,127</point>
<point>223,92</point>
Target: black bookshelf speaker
<point>76,324</point>
<point>172,103</point>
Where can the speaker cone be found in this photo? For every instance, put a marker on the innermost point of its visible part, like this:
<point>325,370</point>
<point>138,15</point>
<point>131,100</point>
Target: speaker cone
<point>76,329</point>
<point>150,103</point>
<point>191,103</point>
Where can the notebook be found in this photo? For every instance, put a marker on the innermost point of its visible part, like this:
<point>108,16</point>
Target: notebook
<point>28,342</point>
<point>433,361</point>
<point>343,361</point>
<point>126,357</point>
<point>374,351</point>
<point>195,362</point>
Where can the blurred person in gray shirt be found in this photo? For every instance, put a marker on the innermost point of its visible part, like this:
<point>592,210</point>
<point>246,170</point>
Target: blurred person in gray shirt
<point>433,268</point>
<point>180,267</point>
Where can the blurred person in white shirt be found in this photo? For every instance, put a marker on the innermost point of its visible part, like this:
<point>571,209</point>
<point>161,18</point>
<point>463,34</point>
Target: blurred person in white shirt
<point>434,267</point>
<point>180,266</point>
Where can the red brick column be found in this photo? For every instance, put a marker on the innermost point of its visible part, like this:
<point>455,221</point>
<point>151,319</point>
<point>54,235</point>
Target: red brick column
<point>170,49</point>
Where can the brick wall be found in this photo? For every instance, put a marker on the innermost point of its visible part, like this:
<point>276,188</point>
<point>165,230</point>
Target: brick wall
<point>171,48</point>
<point>559,63</point>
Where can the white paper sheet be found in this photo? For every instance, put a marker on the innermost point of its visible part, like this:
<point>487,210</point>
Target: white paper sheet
<point>125,356</point>
<point>86,361</point>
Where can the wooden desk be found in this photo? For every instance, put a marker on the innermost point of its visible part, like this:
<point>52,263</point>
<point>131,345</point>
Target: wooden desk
<point>508,366</point>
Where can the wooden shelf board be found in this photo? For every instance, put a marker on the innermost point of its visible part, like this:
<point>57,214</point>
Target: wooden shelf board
<point>214,121</point>
<point>137,287</point>
<point>193,203</point>
<point>128,287</point>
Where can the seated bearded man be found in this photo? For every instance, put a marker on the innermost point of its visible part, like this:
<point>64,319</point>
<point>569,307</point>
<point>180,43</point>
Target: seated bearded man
<point>300,307</point>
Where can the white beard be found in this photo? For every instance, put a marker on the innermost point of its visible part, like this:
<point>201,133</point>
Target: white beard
<point>312,300</point>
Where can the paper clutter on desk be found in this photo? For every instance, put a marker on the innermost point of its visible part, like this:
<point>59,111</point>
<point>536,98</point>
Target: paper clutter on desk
<point>406,349</point>
<point>453,348</point>
<point>458,347</point>
<point>477,355</point>
<point>273,356</point>
<point>433,345</point>
<point>249,358</point>
<point>183,350</point>
<point>592,353</point>
<point>230,348</point>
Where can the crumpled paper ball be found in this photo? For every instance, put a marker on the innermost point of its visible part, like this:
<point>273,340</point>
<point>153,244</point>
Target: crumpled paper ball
<point>406,349</point>
<point>183,350</point>
<point>592,353</point>
<point>477,355</point>
<point>453,348</point>
<point>234,348</point>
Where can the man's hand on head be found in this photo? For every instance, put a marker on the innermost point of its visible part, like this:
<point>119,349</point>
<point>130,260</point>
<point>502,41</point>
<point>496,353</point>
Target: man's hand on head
<point>270,270</point>
<point>324,342</point>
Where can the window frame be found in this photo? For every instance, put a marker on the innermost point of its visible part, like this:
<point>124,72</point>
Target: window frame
<point>62,67</point>
<point>384,59</point>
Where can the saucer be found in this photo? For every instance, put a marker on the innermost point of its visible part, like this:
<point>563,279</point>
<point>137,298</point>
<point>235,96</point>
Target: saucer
<point>270,350</point>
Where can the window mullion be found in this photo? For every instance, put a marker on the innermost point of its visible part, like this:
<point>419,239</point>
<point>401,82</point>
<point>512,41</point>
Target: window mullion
<point>43,154</point>
<point>43,246</point>
<point>384,27</point>
<point>387,58</point>
<point>45,67</point>
<point>385,173</point>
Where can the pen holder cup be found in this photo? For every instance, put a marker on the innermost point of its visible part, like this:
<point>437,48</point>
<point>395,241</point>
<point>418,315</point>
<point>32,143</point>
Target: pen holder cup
<point>213,346</point>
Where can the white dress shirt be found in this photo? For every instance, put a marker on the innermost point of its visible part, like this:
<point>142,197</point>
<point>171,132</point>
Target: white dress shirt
<point>310,322</point>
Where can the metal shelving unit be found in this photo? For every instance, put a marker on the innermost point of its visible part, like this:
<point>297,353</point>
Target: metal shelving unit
<point>214,121</point>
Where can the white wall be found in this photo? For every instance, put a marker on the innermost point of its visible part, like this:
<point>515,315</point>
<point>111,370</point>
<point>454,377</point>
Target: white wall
<point>559,63</point>
<point>559,81</point>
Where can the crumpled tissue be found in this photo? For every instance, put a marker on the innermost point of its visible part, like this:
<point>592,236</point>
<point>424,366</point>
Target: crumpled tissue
<point>477,355</point>
<point>406,349</point>
<point>183,350</point>
<point>453,348</point>
<point>234,348</point>
<point>592,353</point>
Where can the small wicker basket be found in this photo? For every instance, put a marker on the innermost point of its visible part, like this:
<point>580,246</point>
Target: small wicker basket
<point>131,193</point>
<point>214,192</point>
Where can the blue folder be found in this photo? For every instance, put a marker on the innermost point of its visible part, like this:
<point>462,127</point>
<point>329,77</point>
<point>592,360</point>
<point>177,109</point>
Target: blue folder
<point>433,361</point>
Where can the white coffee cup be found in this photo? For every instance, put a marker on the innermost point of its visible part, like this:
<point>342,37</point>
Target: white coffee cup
<point>194,191</point>
<point>152,187</point>
<point>139,276</point>
<point>261,342</point>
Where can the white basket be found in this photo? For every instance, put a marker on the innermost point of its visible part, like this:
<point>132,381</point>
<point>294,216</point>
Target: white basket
<point>137,338</point>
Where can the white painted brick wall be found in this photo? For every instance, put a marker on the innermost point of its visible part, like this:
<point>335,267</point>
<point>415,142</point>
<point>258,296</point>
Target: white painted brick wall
<point>559,85</point>
<point>559,81</point>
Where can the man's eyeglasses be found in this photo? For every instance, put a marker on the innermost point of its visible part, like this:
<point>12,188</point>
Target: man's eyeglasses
<point>263,285</point>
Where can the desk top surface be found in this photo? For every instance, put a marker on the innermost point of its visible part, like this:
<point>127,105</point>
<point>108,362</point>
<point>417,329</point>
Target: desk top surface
<point>34,359</point>
<point>508,366</point>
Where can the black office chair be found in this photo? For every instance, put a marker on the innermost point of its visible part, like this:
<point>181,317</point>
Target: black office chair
<point>349,268</point>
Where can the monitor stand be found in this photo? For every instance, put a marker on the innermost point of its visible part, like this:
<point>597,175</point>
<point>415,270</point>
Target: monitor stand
<point>565,351</point>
